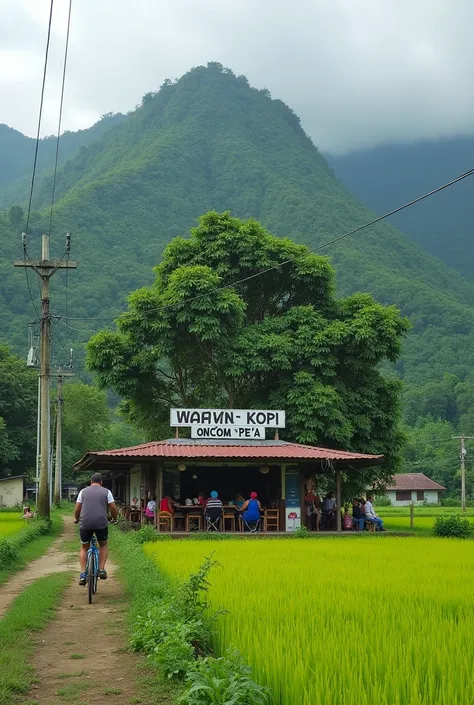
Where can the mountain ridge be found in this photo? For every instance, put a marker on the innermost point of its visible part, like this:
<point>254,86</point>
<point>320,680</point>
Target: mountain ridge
<point>211,142</point>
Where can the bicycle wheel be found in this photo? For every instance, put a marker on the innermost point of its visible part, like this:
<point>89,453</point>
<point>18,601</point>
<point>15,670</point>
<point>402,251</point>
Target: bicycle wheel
<point>95,578</point>
<point>90,575</point>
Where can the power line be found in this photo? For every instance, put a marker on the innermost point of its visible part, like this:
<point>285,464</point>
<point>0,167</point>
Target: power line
<point>35,160</point>
<point>358,229</point>
<point>60,117</point>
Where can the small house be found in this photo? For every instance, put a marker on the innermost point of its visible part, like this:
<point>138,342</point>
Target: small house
<point>414,487</point>
<point>12,490</point>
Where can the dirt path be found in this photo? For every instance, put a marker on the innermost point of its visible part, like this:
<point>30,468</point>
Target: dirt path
<point>81,657</point>
<point>53,561</point>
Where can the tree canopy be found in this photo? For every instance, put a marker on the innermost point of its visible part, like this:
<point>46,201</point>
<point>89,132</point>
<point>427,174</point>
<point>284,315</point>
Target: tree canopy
<point>280,339</point>
<point>18,409</point>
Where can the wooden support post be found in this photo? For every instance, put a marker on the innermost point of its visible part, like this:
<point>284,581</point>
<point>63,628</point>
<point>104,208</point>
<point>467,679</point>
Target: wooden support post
<point>412,514</point>
<point>338,500</point>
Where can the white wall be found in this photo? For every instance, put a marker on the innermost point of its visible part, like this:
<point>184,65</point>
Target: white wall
<point>430,496</point>
<point>11,492</point>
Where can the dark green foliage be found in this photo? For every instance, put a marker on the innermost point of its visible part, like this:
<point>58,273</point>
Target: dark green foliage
<point>452,526</point>
<point>176,628</point>
<point>18,404</point>
<point>281,340</point>
<point>149,533</point>
<point>223,681</point>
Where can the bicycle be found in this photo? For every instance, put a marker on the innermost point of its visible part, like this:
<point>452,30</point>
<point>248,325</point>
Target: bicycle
<point>92,568</point>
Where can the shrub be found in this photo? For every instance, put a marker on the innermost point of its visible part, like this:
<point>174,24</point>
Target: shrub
<point>223,681</point>
<point>124,525</point>
<point>300,533</point>
<point>8,553</point>
<point>175,629</point>
<point>146,534</point>
<point>384,501</point>
<point>9,547</point>
<point>453,526</point>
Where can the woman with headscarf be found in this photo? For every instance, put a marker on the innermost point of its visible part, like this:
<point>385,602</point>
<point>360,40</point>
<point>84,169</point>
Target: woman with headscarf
<point>213,509</point>
<point>252,509</point>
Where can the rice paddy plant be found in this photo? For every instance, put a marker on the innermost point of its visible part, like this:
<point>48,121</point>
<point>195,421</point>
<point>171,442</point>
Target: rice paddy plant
<point>342,622</point>
<point>10,524</point>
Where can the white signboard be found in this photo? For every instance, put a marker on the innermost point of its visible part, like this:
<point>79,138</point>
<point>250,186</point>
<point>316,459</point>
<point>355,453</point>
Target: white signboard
<point>229,432</point>
<point>227,417</point>
<point>293,518</point>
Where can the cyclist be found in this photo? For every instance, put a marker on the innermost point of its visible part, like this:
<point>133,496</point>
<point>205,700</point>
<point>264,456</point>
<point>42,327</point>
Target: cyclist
<point>91,508</point>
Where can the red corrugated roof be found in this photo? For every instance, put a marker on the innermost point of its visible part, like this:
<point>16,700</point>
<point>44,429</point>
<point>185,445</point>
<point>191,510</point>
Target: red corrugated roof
<point>414,481</point>
<point>259,450</point>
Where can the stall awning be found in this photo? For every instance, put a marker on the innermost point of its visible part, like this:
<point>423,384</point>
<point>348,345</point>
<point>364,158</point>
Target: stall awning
<point>213,451</point>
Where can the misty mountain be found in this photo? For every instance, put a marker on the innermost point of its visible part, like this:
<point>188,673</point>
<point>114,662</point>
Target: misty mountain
<point>211,141</point>
<point>385,177</point>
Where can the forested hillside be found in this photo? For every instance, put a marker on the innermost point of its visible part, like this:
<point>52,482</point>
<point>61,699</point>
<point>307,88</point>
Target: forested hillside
<point>210,141</point>
<point>17,152</point>
<point>385,177</point>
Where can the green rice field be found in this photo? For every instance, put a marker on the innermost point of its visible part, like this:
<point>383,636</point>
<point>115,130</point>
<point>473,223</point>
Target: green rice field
<point>398,518</point>
<point>338,622</point>
<point>10,523</point>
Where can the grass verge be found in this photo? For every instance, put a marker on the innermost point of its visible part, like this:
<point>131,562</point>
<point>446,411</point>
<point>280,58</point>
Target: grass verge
<point>170,622</point>
<point>33,549</point>
<point>143,584</point>
<point>28,614</point>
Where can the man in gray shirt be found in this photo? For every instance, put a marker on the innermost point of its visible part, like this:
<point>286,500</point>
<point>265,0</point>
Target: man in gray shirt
<point>91,513</point>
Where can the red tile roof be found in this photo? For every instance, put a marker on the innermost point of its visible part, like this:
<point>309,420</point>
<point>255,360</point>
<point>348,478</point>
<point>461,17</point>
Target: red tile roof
<point>414,481</point>
<point>230,450</point>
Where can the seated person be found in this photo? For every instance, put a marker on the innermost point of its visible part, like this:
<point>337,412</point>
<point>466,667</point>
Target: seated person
<point>358,518</point>
<point>213,509</point>
<point>371,516</point>
<point>201,499</point>
<point>167,505</point>
<point>347,520</point>
<point>150,511</point>
<point>329,510</point>
<point>27,513</point>
<point>252,509</point>
<point>239,501</point>
<point>135,503</point>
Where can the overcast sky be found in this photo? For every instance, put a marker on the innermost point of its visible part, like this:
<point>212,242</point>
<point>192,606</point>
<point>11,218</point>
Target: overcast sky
<point>358,72</point>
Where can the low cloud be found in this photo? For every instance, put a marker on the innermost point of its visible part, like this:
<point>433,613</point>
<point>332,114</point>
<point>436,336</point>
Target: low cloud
<point>358,72</point>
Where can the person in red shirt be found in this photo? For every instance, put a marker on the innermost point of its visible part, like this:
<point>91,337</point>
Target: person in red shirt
<point>167,505</point>
<point>202,501</point>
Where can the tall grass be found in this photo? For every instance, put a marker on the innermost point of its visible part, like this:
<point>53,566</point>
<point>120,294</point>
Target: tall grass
<point>342,623</point>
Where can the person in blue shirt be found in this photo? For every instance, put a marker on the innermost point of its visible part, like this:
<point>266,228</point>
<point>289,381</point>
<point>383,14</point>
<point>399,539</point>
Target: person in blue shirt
<point>252,509</point>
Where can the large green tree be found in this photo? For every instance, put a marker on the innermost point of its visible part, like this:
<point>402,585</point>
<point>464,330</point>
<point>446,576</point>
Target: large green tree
<point>18,410</point>
<point>214,331</point>
<point>89,424</point>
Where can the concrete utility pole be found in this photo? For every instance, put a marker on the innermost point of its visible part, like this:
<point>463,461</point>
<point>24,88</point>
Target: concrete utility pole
<point>462,456</point>
<point>58,468</point>
<point>45,268</point>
